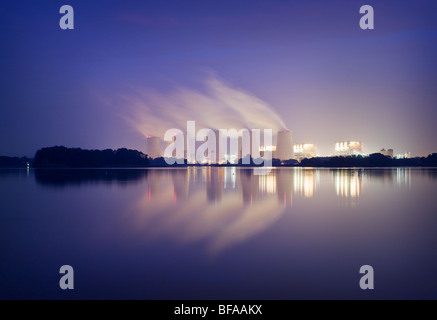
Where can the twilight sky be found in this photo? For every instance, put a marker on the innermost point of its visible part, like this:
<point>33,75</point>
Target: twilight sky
<point>131,65</point>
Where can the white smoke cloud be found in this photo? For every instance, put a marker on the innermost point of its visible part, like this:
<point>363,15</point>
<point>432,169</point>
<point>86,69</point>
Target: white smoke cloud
<point>218,106</point>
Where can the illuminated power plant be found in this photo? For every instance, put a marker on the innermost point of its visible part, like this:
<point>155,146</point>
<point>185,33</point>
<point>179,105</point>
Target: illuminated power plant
<point>284,146</point>
<point>153,147</point>
<point>306,150</point>
<point>231,146</point>
<point>348,148</point>
<point>406,155</point>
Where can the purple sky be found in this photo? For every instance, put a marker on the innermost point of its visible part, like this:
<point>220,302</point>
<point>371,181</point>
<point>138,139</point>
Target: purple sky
<point>326,78</point>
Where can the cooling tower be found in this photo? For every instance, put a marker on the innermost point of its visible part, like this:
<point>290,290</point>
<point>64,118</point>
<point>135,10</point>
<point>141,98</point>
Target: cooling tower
<point>153,147</point>
<point>284,145</point>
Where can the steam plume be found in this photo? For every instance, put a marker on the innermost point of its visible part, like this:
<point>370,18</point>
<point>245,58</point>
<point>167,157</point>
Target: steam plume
<point>218,106</point>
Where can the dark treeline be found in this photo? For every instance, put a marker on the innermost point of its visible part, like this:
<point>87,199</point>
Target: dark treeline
<point>373,160</point>
<point>62,157</point>
<point>14,162</point>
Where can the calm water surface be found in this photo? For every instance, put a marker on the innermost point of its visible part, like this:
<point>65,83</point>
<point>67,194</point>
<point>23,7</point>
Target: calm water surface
<point>218,233</point>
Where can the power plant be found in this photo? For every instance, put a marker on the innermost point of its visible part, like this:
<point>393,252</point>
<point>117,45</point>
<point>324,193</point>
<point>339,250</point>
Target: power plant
<point>153,147</point>
<point>304,150</point>
<point>220,150</point>
<point>348,148</point>
<point>284,146</point>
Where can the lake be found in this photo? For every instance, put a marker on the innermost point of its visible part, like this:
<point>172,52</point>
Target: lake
<point>218,233</point>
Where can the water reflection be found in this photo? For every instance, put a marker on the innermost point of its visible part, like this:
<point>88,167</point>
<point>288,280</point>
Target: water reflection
<point>69,177</point>
<point>305,181</point>
<point>181,185</point>
<point>384,176</point>
<point>13,173</point>
<point>348,183</point>
<point>267,183</point>
<point>403,176</point>
<point>278,226</point>
<point>218,182</point>
<point>225,206</point>
<point>249,186</point>
<point>222,205</point>
<point>215,183</point>
<point>284,187</point>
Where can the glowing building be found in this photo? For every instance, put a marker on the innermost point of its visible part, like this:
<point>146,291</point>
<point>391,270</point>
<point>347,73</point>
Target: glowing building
<point>406,155</point>
<point>153,147</point>
<point>348,148</point>
<point>302,151</point>
<point>284,145</point>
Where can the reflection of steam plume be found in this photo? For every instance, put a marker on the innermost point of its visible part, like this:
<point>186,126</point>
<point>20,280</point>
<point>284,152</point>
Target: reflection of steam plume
<point>284,186</point>
<point>219,107</point>
<point>181,184</point>
<point>167,210</point>
<point>249,186</point>
<point>214,184</point>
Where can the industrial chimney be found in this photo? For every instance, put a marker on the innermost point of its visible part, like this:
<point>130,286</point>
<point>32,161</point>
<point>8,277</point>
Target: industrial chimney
<point>284,146</point>
<point>153,147</point>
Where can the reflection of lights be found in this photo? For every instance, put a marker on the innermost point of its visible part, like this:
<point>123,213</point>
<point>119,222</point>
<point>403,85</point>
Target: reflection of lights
<point>304,182</point>
<point>230,177</point>
<point>403,176</point>
<point>205,177</point>
<point>347,184</point>
<point>267,184</point>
